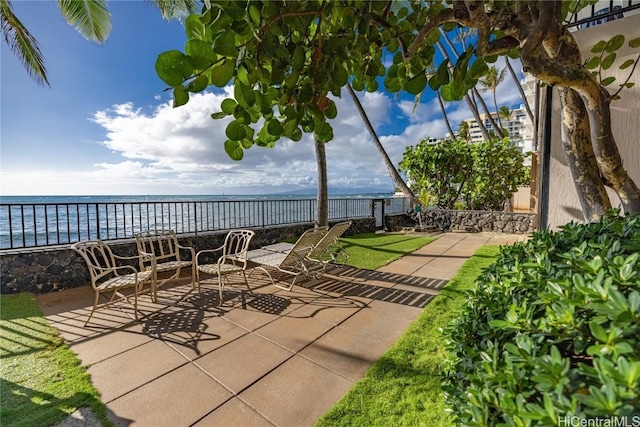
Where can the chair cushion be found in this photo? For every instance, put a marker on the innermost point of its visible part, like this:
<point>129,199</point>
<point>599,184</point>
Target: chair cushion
<point>171,265</point>
<point>224,268</point>
<point>124,281</point>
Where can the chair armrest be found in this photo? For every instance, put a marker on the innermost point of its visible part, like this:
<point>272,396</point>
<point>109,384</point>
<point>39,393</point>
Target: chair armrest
<point>204,251</point>
<point>188,248</point>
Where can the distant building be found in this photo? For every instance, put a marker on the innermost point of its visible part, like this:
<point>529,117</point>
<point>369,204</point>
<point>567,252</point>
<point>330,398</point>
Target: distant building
<point>518,124</point>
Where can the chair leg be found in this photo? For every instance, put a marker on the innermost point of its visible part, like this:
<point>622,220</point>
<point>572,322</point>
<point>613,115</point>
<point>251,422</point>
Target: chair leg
<point>220,286</point>
<point>193,276</point>
<point>95,304</point>
<point>246,282</point>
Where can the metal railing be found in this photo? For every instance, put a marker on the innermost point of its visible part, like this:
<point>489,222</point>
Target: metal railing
<point>47,224</point>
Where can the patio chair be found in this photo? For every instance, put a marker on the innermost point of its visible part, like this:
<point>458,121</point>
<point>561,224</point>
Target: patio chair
<point>233,258</point>
<point>161,253</point>
<point>295,261</point>
<point>107,276</point>
<point>328,248</point>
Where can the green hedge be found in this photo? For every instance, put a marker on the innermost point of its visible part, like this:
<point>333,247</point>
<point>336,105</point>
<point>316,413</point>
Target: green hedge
<point>551,330</point>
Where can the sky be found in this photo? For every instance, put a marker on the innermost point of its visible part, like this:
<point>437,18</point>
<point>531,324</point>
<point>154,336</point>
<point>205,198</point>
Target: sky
<point>105,126</point>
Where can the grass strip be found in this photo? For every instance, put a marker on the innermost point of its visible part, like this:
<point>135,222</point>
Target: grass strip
<point>372,251</point>
<point>41,379</point>
<point>403,387</point>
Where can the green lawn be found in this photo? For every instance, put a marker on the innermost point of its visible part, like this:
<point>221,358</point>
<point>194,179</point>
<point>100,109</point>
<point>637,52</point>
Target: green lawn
<point>372,251</point>
<point>403,387</point>
<point>41,380</point>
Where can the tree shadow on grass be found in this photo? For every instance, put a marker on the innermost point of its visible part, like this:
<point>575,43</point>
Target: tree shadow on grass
<point>25,407</point>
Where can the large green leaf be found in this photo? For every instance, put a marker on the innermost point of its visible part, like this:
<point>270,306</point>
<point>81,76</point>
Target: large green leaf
<point>194,27</point>
<point>200,53</point>
<point>173,67</point>
<point>180,96</point>
<point>234,150</point>
<point>228,106</point>
<point>225,45</point>
<point>416,84</point>
<point>198,84</point>
<point>235,131</point>
<point>222,73</point>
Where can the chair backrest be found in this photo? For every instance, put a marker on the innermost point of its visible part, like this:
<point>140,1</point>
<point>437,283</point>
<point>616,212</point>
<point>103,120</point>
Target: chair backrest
<point>236,245</point>
<point>330,239</point>
<point>160,243</point>
<point>301,249</point>
<point>98,257</point>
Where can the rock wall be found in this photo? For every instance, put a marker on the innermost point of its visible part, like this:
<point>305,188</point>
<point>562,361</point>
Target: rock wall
<point>42,270</point>
<point>468,221</point>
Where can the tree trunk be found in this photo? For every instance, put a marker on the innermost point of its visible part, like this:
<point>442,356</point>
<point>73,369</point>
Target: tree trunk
<point>514,76</point>
<point>322,198</point>
<point>576,140</point>
<point>444,114</point>
<point>488,113</point>
<point>566,70</point>
<point>393,172</point>
<point>474,90</point>
<point>495,103</point>
<point>467,98</point>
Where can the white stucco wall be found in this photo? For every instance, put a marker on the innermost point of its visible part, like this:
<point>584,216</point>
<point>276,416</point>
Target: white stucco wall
<point>563,201</point>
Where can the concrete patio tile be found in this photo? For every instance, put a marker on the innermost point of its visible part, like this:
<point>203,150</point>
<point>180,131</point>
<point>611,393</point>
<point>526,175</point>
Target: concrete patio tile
<point>234,413</point>
<point>330,309</point>
<point>345,352</point>
<point>179,398</point>
<point>68,302</point>
<point>443,271</point>
<point>242,362</point>
<point>296,393</point>
<point>193,336</point>
<point>100,347</point>
<point>294,333</point>
<point>383,321</point>
<point>138,365</point>
<point>252,318</point>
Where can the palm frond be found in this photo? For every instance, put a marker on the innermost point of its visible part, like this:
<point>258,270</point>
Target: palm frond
<point>176,9</point>
<point>22,44</point>
<point>91,18</point>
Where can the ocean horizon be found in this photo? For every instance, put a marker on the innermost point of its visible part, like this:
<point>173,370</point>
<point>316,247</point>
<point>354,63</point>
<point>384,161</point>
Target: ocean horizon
<point>27,221</point>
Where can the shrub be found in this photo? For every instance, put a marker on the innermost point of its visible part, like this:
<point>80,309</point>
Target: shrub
<point>551,330</point>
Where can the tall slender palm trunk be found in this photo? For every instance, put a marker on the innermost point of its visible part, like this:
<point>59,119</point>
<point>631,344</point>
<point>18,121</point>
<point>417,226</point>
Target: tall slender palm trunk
<point>393,172</point>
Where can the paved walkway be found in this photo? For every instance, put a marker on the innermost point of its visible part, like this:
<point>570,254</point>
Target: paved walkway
<point>272,358</point>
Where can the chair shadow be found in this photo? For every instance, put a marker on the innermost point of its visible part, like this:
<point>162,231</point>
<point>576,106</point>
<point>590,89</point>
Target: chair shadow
<point>184,327</point>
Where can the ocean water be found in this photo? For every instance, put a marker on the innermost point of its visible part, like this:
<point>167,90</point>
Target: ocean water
<point>30,221</point>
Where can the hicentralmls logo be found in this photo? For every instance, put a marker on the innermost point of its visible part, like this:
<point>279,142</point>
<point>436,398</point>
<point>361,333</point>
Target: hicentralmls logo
<point>573,421</point>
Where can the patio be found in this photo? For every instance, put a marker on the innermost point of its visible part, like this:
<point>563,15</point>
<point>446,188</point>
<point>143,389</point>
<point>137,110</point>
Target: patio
<point>273,357</point>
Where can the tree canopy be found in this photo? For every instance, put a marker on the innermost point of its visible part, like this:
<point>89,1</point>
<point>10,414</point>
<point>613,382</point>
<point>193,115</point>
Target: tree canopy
<point>286,59</point>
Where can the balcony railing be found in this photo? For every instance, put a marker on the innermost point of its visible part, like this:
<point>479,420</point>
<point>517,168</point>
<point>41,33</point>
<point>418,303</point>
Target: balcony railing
<point>48,224</point>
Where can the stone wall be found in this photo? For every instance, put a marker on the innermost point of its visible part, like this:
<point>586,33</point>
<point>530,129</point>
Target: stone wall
<point>42,270</point>
<point>468,221</point>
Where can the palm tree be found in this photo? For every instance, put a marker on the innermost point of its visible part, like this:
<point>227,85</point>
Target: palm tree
<point>393,172</point>
<point>504,112</point>
<point>322,198</point>
<point>491,81</point>
<point>91,18</point>
<point>474,92</point>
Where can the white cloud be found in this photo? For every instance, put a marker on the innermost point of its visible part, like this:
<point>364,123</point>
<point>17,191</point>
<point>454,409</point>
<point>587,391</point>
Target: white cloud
<point>165,150</point>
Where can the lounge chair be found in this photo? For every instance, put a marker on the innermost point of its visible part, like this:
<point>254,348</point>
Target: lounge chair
<point>295,261</point>
<point>107,276</point>
<point>232,260</point>
<point>328,248</point>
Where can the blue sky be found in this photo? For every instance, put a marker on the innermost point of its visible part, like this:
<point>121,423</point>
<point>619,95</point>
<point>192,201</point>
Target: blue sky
<point>106,126</point>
